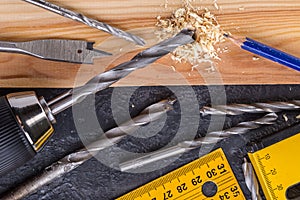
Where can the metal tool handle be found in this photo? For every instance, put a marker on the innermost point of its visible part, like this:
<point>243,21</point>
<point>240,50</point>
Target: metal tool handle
<point>9,47</point>
<point>15,149</point>
<point>25,126</point>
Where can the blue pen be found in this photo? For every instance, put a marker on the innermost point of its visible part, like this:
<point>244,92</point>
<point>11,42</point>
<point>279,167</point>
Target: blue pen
<point>267,52</point>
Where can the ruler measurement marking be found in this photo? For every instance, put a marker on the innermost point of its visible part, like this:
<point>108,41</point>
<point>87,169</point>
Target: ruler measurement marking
<point>227,187</point>
<point>226,182</point>
<point>209,161</point>
<point>189,198</point>
<point>187,193</point>
<point>222,175</point>
<point>276,165</point>
<point>225,179</point>
<point>266,177</point>
<point>196,197</point>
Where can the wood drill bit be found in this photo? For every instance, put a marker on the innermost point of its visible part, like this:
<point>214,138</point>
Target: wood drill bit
<point>88,21</point>
<point>238,109</point>
<point>73,160</point>
<point>210,138</point>
<point>105,79</point>
<point>251,180</point>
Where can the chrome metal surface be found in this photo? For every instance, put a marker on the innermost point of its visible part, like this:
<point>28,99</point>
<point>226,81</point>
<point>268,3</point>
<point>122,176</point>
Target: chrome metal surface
<point>73,160</point>
<point>31,117</point>
<point>105,79</point>
<point>88,21</point>
<point>238,109</point>
<point>210,138</point>
<point>47,110</point>
<point>251,180</point>
<point>74,51</point>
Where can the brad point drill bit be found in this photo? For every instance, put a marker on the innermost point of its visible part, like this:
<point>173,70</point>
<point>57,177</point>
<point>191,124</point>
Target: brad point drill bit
<point>28,120</point>
<point>73,160</point>
<point>210,138</point>
<point>251,180</point>
<point>238,109</point>
<point>88,21</point>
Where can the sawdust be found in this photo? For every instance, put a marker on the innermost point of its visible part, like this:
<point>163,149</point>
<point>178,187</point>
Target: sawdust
<point>241,8</point>
<point>255,58</point>
<point>208,33</point>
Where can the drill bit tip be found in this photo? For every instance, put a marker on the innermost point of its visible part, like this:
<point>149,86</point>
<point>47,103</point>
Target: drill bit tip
<point>87,21</point>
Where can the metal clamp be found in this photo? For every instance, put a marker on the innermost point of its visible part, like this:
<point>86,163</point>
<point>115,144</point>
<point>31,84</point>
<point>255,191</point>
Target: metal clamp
<point>32,117</point>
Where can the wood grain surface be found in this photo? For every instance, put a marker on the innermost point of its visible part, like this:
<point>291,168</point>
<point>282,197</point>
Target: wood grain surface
<point>273,22</point>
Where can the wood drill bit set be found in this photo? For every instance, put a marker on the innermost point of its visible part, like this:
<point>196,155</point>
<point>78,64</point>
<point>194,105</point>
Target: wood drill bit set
<point>27,121</point>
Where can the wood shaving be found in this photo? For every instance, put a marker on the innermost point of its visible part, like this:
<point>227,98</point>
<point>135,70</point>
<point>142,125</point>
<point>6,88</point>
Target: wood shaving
<point>166,4</point>
<point>241,8</point>
<point>216,5</point>
<point>255,58</point>
<point>208,34</point>
<point>173,68</point>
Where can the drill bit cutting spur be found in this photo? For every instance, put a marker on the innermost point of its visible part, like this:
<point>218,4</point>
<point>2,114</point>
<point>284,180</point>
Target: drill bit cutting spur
<point>88,21</point>
<point>37,116</point>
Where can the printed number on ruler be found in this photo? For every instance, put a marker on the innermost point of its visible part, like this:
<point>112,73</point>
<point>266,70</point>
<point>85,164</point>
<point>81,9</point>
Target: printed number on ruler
<point>277,167</point>
<point>209,177</point>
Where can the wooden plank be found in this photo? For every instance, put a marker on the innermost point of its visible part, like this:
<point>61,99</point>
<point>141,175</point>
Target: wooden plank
<point>273,22</point>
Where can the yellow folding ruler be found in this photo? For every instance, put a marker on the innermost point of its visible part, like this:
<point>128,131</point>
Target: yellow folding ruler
<point>277,167</point>
<point>209,177</point>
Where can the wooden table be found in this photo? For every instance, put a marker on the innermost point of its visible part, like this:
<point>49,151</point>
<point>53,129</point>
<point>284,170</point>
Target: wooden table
<point>275,23</point>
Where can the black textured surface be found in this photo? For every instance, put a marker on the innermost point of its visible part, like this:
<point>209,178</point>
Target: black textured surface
<point>15,149</point>
<point>94,180</point>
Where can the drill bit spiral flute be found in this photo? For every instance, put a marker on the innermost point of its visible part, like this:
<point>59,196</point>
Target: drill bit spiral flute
<point>85,20</point>
<point>211,138</point>
<point>251,180</point>
<point>238,109</point>
<point>26,121</point>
